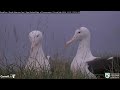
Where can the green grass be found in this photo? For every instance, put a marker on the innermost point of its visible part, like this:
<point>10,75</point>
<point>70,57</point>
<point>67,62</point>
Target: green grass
<point>60,69</point>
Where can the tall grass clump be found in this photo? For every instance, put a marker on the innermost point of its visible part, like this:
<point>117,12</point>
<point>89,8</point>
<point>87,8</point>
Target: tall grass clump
<point>60,69</point>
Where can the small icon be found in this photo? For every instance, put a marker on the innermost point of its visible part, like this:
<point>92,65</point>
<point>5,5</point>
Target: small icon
<point>12,75</point>
<point>107,75</point>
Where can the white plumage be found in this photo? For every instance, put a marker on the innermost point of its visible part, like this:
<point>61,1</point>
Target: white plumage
<point>37,59</point>
<point>85,61</point>
<point>83,53</point>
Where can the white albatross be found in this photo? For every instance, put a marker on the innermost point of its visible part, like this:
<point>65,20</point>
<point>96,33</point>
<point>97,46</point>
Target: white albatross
<point>37,59</point>
<point>84,60</point>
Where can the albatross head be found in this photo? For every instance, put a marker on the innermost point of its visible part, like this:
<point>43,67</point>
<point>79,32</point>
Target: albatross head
<point>80,34</point>
<point>35,38</point>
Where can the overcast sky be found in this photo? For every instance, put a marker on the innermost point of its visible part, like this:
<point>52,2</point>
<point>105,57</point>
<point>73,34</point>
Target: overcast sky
<point>58,28</point>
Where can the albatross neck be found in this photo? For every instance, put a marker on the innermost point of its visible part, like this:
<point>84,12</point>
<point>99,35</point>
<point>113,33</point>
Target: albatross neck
<point>84,52</point>
<point>37,50</point>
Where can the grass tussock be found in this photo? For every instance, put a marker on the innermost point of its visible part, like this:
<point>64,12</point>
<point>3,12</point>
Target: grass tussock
<point>60,69</point>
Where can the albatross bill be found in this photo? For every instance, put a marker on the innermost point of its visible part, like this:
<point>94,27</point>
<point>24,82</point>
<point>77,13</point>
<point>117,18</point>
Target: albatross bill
<point>92,65</point>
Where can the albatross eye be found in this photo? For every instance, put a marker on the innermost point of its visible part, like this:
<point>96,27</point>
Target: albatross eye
<point>37,35</point>
<point>78,32</point>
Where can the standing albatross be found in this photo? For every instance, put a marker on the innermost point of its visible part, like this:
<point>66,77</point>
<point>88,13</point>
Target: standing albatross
<point>84,60</point>
<point>37,59</point>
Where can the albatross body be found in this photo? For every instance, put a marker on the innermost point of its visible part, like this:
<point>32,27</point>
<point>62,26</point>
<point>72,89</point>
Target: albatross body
<point>84,60</point>
<point>37,58</point>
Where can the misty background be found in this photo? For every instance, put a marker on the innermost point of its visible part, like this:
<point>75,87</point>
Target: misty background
<point>57,29</point>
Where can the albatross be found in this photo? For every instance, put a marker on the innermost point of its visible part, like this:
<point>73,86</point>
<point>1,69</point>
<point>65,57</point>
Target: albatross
<point>89,65</point>
<point>37,59</point>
